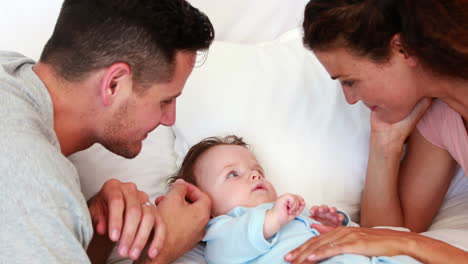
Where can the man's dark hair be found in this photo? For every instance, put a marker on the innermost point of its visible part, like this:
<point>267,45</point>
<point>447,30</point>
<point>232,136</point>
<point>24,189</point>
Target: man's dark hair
<point>145,34</point>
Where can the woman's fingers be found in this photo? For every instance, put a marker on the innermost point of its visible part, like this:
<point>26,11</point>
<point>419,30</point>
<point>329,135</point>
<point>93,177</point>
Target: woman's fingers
<point>330,239</point>
<point>352,240</point>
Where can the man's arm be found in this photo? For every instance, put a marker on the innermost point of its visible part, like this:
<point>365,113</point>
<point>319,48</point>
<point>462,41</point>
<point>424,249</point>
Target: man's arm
<point>44,215</point>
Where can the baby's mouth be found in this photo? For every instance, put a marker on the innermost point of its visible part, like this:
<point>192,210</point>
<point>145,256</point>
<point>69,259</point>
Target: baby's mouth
<point>259,187</point>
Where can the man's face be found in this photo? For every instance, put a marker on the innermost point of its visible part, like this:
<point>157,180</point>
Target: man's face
<point>232,177</point>
<point>142,113</point>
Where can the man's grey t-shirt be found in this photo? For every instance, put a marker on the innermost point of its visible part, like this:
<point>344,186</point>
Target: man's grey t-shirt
<point>44,217</point>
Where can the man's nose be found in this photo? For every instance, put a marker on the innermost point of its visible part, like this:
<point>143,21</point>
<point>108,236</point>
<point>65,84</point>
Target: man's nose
<point>168,117</point>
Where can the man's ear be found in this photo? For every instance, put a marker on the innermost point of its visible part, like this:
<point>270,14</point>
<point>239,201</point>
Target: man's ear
<point>398,49</point>
<point>115,79</point>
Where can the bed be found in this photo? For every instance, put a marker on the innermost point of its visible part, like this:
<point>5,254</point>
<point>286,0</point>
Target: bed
<point>259,82</point>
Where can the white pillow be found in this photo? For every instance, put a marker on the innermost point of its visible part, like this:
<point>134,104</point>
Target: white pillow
<point>283,102</point>
<point>247,21</point>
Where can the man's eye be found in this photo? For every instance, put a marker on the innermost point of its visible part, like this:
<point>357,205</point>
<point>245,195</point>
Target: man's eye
<point>232,174</point>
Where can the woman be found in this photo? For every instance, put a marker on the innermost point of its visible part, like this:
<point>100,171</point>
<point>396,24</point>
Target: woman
<point>394,56</point>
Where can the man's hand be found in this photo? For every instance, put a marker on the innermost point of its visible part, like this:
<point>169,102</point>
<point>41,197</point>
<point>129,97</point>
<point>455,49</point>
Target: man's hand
<point>124,213</point>
<point>186,211</point>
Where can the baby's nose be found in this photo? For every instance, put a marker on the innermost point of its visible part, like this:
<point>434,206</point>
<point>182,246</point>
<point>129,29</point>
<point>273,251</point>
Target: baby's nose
<point>256,175</point>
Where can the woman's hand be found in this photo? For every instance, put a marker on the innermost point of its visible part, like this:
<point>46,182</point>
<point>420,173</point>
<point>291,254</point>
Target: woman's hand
<point>125,214</point>
<point>389,134</point>
<point>352,240</point>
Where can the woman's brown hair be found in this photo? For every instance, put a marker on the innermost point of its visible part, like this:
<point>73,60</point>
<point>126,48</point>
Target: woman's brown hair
<point>434,31</point>
<point>186,170</point>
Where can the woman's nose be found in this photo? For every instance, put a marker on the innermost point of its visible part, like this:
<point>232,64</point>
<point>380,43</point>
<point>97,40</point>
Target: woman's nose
<point>351,95</point>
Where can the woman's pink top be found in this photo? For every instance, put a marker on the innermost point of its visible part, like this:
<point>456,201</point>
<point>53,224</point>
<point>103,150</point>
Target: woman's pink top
<point>444,127</point>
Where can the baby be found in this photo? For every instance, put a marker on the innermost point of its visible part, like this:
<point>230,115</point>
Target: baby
<point>250,223</point>
<point>247,213</point>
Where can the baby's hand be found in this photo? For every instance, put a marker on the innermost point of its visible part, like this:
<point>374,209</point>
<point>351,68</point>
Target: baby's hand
<point>326,215</point>
<point>287,207</point>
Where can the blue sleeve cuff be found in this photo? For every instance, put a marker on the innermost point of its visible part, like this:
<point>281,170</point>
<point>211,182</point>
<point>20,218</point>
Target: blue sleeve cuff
<point>346,220</point>
<point>256,232</point>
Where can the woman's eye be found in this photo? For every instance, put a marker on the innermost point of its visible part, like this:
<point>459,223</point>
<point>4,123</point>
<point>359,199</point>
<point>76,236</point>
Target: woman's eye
<point>347,83</point>
<point>232,174</point>
<point>166,102</point>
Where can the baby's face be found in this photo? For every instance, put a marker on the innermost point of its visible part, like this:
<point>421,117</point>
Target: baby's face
<point>232,177</point>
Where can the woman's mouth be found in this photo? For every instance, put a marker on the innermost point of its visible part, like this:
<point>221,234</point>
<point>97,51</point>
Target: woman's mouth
<point>372,107</point>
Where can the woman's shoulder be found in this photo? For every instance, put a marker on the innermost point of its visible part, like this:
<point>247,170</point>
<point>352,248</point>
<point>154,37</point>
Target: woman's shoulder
<point>439,122</point>
<point>439,111</point>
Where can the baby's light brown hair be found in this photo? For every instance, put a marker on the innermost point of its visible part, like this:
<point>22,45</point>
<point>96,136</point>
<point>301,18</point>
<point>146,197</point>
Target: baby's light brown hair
<point>186,171</point>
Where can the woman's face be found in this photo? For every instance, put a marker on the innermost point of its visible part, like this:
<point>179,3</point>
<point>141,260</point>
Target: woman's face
<point>389,89</point>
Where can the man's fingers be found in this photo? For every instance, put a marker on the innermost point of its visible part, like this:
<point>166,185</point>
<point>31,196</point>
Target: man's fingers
<point>98,216</point>
<point>101,224</point>
<point>190,192</point>
<point>144,230</point>
<point>179,189</point>
<point>116,205</point>
<point>159,235</point>
<point>159,199</point>
<point>196,195</point>
<point>133,216</point>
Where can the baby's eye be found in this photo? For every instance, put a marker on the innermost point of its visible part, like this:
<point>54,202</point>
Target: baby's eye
<point>348,83</point>
<point>232,174</point>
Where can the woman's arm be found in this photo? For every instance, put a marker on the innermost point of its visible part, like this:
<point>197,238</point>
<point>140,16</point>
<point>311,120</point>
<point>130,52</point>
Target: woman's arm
<point>375,242</point>
<point>425,176</point>
<point>409,195</point>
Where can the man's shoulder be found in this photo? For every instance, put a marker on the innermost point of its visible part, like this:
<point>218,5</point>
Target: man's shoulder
<point>11,57</point>
<point>29,159</point>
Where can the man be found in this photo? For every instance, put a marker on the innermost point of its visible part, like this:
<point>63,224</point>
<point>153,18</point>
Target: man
<point>110,74</point>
